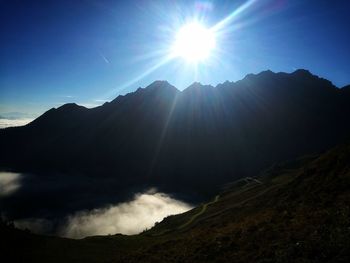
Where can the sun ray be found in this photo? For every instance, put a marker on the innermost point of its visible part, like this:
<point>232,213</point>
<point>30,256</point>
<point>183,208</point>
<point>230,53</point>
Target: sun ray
<point>193,42</point>
<point>231,17</point>
<point>126,85</point>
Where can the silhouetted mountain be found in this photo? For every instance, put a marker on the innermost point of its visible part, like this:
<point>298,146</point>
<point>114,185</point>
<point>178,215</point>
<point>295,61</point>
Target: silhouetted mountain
<point>195,139</point>
<point>296,211</point>
<point>346,90</point>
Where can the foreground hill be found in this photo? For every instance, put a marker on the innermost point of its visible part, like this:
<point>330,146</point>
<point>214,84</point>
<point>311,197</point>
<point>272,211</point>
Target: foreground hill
<point>293,212</point>
<point>185,141</point>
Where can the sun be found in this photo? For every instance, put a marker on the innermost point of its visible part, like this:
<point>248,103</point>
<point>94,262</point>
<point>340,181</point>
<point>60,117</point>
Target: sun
<point>194,42</point>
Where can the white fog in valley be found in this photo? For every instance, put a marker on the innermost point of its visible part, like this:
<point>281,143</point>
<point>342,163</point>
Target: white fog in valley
<point>9,183</point>
<point>131,217</point>
<point>5,123</point>
<point>126,218</point>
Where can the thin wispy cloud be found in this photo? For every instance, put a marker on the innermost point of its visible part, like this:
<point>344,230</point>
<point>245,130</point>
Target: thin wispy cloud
<point>90,105</point>
<point>104,58</point>
<point>9,183</point>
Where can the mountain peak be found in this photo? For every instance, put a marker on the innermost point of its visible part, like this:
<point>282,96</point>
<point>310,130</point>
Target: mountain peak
<point>160,84</point>
<point>161,87</point>
<point>70,107</point>
<point>265,73</point>
<point>197,86</point>
<point>302,72</point>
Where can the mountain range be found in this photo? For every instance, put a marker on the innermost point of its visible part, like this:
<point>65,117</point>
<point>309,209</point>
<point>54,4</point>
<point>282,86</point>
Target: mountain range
<point>186,141</point>
<point>265,159</point>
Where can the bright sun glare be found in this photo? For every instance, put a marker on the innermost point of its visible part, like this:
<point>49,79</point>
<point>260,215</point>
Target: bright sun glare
<point>194,42</point>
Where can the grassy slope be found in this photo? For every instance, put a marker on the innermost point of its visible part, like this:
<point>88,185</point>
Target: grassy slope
<point>299,213</point>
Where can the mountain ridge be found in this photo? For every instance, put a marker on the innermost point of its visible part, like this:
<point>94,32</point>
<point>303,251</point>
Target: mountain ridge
<point>164,83</point>
<point>185,140</point>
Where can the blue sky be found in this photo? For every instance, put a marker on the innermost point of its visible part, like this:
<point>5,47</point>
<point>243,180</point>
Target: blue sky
<point>54,52</point>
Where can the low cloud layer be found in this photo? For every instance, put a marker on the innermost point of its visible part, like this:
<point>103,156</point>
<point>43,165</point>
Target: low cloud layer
<point>58,204</point>
<point>5,123</point>
<point>9,183</point>
<point>127,218</point>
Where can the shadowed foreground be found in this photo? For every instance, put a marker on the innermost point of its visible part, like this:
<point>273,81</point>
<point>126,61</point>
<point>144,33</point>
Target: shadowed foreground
<point>294,212</point>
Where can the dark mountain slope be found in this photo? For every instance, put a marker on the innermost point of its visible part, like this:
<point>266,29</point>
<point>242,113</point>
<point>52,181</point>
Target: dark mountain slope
<point>185,141</point>
<point>346,90</point>
<point>296,211</point>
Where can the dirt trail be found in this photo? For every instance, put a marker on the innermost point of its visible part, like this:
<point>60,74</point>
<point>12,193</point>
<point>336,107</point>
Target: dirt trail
<point>204,208</point>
